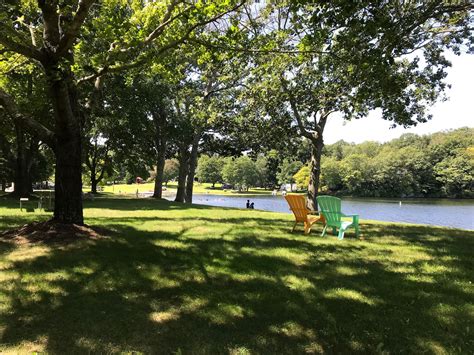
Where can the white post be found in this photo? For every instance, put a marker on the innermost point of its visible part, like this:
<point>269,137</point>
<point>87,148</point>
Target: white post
<point>21,200</point>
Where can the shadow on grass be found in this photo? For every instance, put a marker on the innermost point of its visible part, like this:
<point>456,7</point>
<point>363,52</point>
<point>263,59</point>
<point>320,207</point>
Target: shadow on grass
<point>162,292</point>
<point>12,222</point>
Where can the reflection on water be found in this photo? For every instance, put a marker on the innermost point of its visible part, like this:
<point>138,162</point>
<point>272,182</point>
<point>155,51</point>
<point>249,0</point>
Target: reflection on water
<point>450,213</point>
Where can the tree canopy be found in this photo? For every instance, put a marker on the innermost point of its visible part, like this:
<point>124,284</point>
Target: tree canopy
<point>118,87</point>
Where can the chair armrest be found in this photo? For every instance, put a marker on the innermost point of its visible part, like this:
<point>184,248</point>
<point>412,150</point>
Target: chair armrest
<point>355,217</point>
<point>314,212</point>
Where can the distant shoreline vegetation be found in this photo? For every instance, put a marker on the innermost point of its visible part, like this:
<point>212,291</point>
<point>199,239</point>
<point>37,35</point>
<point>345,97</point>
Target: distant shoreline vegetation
<point>438,165</point>
<point>434,166</point>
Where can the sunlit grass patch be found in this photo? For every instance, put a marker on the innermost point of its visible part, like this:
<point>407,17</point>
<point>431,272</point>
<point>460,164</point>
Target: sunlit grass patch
<point>171,244</point>
<point>27,253</point>
<point>350,271</point>
<point>163,317</point>
<point>294,330</point>
<point>240,350</point>
<point>199,188</point>
<point>290,255</point>
<point>297,283</point>
<point>223,313</point>
<point>432,346</point>
<point>415,277</point>
<point>350,295</point>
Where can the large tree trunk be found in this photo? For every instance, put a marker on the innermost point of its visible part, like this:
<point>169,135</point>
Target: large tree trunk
<point>92,157</point>
<point>32,155</point>
<point>183,172</point>
<point>96,180</point>
<point>94,183</point>
<point>67,147</point>
<point>68,183</point>
<point>160,168</point>
<point>21,180</point>
<point>160,143</point>
<point>315,172</point>
<point>92,165</point>
<point>192,167</point>
<point>6,156</point>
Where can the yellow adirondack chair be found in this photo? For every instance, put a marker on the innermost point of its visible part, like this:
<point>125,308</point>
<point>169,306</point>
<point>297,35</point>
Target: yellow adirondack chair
<point>302,214</point>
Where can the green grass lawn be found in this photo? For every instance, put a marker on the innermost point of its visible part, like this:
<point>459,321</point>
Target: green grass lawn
<point>192,279</point>
<point>199,188</point>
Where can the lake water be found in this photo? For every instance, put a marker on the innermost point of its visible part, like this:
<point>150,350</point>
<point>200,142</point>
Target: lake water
<point>449,213</point>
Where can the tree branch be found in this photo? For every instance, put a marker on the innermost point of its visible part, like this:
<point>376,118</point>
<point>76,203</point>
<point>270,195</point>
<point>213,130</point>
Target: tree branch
<point>322,121</point>
<point>49,9</point>
<point>167,19</point>
<point>296,112</point>
<point>72,32</point>
<point>20,48</point>
<point>160,51</point>
<point>33,126</point>
<point>260,51</point>
<point>223,88</point>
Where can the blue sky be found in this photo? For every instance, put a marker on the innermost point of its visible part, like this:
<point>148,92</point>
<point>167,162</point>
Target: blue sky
<point>457,112</point>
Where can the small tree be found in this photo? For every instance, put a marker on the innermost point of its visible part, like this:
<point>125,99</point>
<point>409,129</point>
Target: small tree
<point>171,170</point>
<point>241,172</point>
<point>210,169</point>
<point>98,160</point>
<point>331,177</point>
<point>288,168</point>
<point>264,179</point>
<point>302,177</point>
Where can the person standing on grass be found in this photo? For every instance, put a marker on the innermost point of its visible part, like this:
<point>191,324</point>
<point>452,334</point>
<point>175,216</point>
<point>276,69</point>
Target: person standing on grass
<point>248,204</point>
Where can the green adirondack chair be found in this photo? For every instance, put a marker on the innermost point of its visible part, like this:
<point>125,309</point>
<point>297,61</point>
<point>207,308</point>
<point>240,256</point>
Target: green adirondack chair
<point>330,207</point>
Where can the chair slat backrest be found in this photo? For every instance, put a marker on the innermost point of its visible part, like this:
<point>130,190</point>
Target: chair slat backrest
<point>330,207</point>
<point>297,205</point>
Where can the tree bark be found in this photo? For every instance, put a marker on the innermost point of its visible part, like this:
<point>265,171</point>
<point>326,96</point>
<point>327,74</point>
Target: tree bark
<point>67,147</point>
<point>317,145</point>
<point>94,183</point>
<point>92,165</point>
<point>21,180</point>
<point>95,180</point>
<point>183,172</point>
<point>31,155</point>
<point>160,167</point>
<point>6,161</point>
<point>192,167</point>
<point>93,154</point>
<point>160,145</point>
<point>68,183</point>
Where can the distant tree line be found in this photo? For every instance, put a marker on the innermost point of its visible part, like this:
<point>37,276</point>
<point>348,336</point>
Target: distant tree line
<point>436,165</point>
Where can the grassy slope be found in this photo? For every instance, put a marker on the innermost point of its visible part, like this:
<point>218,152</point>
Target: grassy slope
<point>212,280</point>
